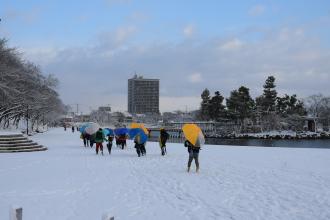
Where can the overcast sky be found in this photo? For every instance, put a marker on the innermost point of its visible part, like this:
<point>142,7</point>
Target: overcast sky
<point>94,47</point>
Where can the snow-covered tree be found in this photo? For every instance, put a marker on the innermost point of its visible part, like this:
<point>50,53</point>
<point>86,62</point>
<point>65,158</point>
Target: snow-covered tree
<point>289,105</point>
<point>24,92</point>
<point>318,107</point>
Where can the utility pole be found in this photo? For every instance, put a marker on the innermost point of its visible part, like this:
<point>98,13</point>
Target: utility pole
<point>27,119</point>
<point>43,122</point>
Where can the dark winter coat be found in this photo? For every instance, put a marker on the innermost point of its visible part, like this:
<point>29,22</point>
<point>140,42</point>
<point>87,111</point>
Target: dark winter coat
<point>122,137</point>
<point>99,137</point>
<point>110,139</point>
<point>191,147</point>
<point>163,135</point>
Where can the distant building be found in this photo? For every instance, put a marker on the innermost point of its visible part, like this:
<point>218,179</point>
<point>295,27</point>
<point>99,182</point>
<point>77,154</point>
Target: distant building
<point>66,120</point>
<point>83,118</point>
<point>105,108</point>
<point>121,119</point>
<point>143,95</point>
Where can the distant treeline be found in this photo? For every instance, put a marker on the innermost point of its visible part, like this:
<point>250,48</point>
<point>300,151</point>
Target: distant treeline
<point>267,112</point>
<point>25,93</point>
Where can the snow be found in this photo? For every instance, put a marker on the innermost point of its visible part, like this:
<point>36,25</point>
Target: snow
<point>69,182</point>
<point>9,132</point>
<point>285,134</point>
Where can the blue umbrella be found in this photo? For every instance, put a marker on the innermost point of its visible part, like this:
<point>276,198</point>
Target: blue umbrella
<point>143,138</point>
<point>134,132</point>
<point>107,131</point>
<point>83,127</point>
<point>121,131</point>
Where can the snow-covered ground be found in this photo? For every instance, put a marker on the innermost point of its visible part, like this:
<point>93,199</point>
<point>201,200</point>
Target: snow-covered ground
<point>69,182</point>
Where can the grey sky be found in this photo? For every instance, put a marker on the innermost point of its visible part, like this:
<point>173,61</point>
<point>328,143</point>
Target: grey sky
<point>93,49</point>
<point>97,74</point>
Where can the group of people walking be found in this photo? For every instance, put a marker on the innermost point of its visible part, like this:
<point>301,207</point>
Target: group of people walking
<point>140,147</point>
<point>72,128</point>
<point>98,139</point>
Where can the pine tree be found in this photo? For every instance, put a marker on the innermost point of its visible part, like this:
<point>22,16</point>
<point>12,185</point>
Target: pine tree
<point>240,105</point>
<point>267,101</point>
<point>204,110</point>
<point>216,108</point>
<point>289,105</point>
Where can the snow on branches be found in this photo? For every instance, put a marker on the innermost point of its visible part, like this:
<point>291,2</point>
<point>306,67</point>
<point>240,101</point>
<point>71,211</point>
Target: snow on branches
<point>24,91</point>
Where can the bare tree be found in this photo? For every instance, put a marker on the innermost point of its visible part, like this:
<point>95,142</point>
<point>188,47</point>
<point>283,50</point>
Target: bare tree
<point>318,108</point>
<point>24,92</point>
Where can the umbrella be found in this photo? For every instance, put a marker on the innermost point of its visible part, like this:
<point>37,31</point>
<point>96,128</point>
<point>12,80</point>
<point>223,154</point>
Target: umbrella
<point>134,131</point>
<point>107,131</point>
<point>92,128</point>
<point>193,134</point>
<point>121,131</point>
<point>140,125</point>
<point>83,127</point>
<point>139,134</point>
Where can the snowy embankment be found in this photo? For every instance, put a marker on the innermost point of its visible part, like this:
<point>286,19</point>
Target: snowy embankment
<point>70,182</point>
<point>282,135</point>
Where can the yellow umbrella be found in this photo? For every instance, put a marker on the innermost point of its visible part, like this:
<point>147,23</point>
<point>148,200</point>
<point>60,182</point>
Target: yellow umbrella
<point>139,125</point>
<point>193,134</point>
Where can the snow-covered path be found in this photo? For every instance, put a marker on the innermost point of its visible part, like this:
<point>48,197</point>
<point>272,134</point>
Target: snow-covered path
<point>70,182</point>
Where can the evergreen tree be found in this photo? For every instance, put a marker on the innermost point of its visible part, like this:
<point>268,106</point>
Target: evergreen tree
<point>216,108</point>
<point>240,105</point>
<point>289,105</point>
<point>282,105</point>
<point>267,102</point>
<point>232,104</point>
<point>204,110</point>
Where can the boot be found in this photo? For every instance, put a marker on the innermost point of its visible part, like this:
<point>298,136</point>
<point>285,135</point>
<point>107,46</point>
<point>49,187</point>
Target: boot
<point>188,169</point>
<point>197,169</point>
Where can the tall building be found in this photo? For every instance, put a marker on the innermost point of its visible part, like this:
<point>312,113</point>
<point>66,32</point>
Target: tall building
<point>143,95</point>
